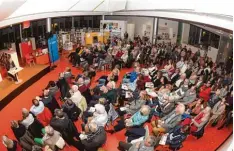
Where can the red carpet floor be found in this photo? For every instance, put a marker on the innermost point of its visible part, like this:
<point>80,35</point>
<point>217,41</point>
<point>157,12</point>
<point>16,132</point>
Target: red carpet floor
<point>209,142</point>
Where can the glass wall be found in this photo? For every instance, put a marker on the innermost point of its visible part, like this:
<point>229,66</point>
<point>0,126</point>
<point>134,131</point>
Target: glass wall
<point>37,28</point>
<point>199,36</point>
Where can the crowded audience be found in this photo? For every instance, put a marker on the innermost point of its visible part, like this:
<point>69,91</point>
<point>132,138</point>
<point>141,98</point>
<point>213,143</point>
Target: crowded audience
<point>169,88</point>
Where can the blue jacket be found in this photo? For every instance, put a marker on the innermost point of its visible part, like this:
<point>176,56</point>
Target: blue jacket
<point>138,119</point>
<point>133,76</point>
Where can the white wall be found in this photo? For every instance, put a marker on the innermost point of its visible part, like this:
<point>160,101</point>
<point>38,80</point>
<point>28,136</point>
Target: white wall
<point>138,21</point>
<point>169,24</point>
<point>185,33</point>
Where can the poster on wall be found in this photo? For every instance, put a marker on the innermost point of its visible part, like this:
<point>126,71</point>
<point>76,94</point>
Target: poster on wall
<point>53,48</point>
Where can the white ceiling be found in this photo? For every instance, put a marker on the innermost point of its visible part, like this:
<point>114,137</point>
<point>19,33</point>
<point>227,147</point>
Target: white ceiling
<point>13,11</point>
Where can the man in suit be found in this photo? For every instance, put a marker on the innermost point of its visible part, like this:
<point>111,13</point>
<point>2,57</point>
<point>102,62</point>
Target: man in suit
<point>169,121</point>
<point>175,76</point>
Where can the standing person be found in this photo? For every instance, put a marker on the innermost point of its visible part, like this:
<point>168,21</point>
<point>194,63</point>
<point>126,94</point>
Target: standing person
<point>31,123</point>
<point>65,126</point>
<point>63,86</point>
<point>22,135</point>
<point>10,144</point>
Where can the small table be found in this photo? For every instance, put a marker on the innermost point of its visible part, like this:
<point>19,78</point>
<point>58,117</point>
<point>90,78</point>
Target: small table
<point>42,59</point>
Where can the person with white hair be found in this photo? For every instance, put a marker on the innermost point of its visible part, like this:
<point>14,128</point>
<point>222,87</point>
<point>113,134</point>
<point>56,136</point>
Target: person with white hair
<point>75,95</point>
<point>148,144</point>
<point>109,92</point>
<point>136,120</point>
<point>169,121</point>
<point>92,138</point>
<point>52,138</point>
<point>31,123</point>
<point>100,116</point>
<point>180,81</point>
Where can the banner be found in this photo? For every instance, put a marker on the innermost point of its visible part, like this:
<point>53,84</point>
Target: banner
<point>53,48</point>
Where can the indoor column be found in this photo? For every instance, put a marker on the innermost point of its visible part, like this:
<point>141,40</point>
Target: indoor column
<point>48,24</point>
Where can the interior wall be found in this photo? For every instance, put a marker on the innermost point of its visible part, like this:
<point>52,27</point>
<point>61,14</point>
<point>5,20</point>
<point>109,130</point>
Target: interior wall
<point>169,24</point>
<point>138,21</point>
<point>185,33</point>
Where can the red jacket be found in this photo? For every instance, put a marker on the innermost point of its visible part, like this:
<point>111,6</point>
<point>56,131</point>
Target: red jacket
<point>119,54</point>
<point>45,117</point>
<point>83,88</point>
<point>205,93</point>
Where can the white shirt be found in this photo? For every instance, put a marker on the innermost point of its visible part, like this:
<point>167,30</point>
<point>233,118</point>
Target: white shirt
<point>28,121</point>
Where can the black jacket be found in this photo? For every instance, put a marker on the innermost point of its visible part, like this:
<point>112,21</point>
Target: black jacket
<point>96,142</point>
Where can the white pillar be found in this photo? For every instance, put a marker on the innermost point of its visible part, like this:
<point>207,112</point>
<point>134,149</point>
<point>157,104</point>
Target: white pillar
<point>155,28</point>
<point>103,17</point>
<point>48,24</point>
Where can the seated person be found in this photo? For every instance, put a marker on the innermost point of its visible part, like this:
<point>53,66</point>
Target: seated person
<point>108,60</point>
<point>205,91</point>
<point>87,59</point>
<point>100,116</point>
<point>93,137</point>
<point>136,120</point>
<point>52,138</point>
<point>75,95</point>
<point>180,81</point>
<point>168,122</point>
<point>177,136</point>
<point>175,76</point>
<point>42,113</point>
<point>109,92</point>
<point>71,110</point>
<point>135,105</point>
<point>196,107</point>
<point>217,112</point>
<point>132,76</point>
<point>214,98</point>
<point>82,87</point>
<point>146,145</point>
<point>193,78</point>
<point>52,87</point>
<point>189,96</point>
<point>198,121</point>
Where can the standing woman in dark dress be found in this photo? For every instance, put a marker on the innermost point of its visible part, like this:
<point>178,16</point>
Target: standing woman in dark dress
<point>63,86</point>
